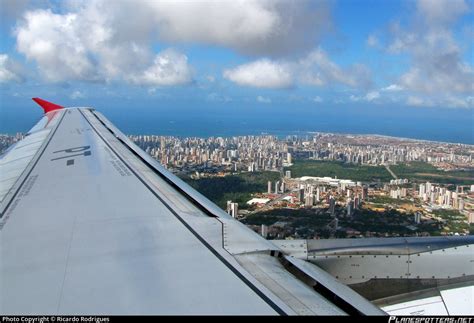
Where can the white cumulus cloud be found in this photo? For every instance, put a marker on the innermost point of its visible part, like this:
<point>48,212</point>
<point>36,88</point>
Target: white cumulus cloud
<point>99,40</point>
<point>256,27</point>
<point>169,68</point>
<point>437,74</point>
<point>317,99</point>
<point>262,73</point>
<point>457,102</point>
<point>262,99</point>
<point>392,88</point>
<point>371,96</point>
<point>10,70</point>
<point>77,95</point>
<point>442,11</point>
<point>88,44</point>
<point>315,69</point>
<point>56,43</point>
<point>318,69</point>
<point>437,65</point>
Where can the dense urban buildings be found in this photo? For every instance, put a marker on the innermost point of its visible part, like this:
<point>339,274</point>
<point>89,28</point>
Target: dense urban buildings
<point>7,140</point>
<point>442,205</point>
<point>328,185</point>
<point>256,153</point>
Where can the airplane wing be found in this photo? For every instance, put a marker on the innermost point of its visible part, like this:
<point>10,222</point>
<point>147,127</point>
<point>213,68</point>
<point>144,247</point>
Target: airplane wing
<point>91,224</point>
<point>403,275</point>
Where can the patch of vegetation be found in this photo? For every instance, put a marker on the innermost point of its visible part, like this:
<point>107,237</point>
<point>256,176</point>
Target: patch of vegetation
<point>237,188</point>
<point>390,221</point>
<point>454,221</point>
<point>340,169</point>
<point>382,200</point>
<point>422,172</point>
<point>308,223</point>
<point>304,223</point>
<point>449,214</point>
<point>298,217</point>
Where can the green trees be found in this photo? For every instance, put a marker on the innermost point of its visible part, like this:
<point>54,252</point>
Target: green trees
<point>237,188</point>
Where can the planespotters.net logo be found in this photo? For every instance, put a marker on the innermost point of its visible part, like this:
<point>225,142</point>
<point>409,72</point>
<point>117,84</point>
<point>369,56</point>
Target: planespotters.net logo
<point>428,319</point>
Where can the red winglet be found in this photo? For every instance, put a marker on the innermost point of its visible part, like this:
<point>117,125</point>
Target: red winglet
<point>47,106</point>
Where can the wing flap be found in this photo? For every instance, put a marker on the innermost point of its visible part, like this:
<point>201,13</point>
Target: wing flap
<point>300,297</point>
<point>327,285</point>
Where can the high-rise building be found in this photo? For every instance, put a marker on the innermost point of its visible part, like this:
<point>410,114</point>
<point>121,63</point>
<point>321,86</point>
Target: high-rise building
<point>422,190</point>
<point>232,209</point>
<point>428,187</point>
<point>288,158</point>
<point>403,192</point>
<point>417,217</point>
<point>264,231</point>
<point>349,207</point>
<point>332,206</point>
<point>365,193</point>
<point>455,201</point>
<point>309,200</point>
<point>162,144</point>
<point>447,198</point>
<point>301,194</point>
<point>253,167</point>
<point>288,174</point>
<point>356,202</point>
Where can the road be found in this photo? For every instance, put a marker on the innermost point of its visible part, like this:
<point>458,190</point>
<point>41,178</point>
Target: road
<point>390,171</point>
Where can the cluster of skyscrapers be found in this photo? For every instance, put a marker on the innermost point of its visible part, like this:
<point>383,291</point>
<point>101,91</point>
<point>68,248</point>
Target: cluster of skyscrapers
<point>311,191</point>
<point>257,153</point>
<point>246,153</point>
<point>441,196</point>
<point>378,150</point>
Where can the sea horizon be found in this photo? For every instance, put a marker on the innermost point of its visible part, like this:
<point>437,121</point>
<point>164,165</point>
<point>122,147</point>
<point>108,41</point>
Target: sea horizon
<point>211,120</point>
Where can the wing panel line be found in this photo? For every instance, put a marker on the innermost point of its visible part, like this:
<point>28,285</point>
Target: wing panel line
<point>201,239</point>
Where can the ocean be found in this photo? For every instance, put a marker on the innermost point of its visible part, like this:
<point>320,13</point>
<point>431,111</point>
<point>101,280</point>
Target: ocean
<point>185,120</point>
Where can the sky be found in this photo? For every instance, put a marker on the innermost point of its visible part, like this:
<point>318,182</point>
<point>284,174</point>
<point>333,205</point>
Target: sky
<point>334,59</point>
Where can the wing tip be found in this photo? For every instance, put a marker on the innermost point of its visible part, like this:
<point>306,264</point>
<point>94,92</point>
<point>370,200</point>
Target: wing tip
<point>47,106</point>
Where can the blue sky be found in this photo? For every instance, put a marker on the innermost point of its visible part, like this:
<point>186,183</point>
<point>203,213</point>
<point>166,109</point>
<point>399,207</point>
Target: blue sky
<point>317,55</point>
